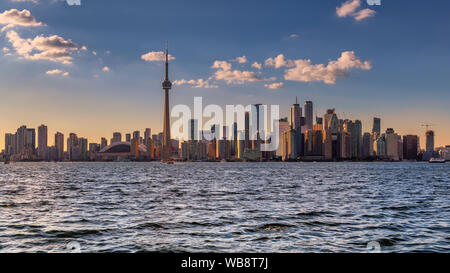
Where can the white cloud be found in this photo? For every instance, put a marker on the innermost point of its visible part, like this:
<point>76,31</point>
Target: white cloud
<point>275,85</point>
<point>224,65</point>
<point>52,48</point>
<point>350,8</point>
<point>33,1</point>
<point>304,71</point>
<point>12,18</point>
<point>156,56</point>
<point>105,69</point>
<point>363,14</point>
<point>57,72</point>
<point>257,65</point>
<point>241,60</point>
<point>293,36</point>
<point>83,48</point>
<point>199,83</point>
<point>6,50</point>
<point>225,73</point>
<point>278,62</point>
<point>94,53</point>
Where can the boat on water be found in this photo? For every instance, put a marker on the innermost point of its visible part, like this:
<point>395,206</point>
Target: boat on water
<point>437,160</point>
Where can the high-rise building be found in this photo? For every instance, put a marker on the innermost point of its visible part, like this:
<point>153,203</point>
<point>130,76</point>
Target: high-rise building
<point>327,118</point>
<point>327,145</point>
<point>247,130</point>
<point>193,130</point>
<point>367,145</point>
<point>73,147</point>
<point>289,147</point>
<point>357,139</point>
<point>346,145</point>
<point>296,115</point>
<point>137,135</point>
<point>117,137</point>
<point>391,140</point>
<point>59,144</point>
<point>376,126</point>
<point>381,146</point>
<point>42,141</point>
<point>430,141</point>
<point>9,144</point>
<point>283,126</point>
<point>313,143</point>
<point>30,140</point>
<point>309,115</point>
<point>410,147</point>
<point>147,135</point>
<point>103,143</point>
<point>128,137</point>
<point>84,146</point>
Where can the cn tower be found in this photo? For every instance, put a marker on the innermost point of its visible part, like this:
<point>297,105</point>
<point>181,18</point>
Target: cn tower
<point>166,85</point>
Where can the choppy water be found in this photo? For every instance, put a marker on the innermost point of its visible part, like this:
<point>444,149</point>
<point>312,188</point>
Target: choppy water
<point>225,207</point>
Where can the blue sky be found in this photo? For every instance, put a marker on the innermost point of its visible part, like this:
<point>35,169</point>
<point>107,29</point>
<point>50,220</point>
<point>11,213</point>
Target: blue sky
<point>407,44</point>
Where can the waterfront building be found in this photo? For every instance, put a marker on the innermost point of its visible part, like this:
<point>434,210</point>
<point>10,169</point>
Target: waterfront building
<point>289,145</point>
<point>391,139</point>
<point>327,145</point>
<point>367,146</point>
<point>42,141</point>
<point>128,137</point>
<point>376,126</point>
<point>357,139</point>
<point>103,143</point>
<point>309,115</point>
<point>296,115</point>
<point>313,143</point>
<point>283,126</point>
<point>59,145</point>
<point>430,141</point>
<point>346,145</point>
<point>410,150</point>
<point>9,144</point>
<point>381,147</point>
<point>117,137</point>
<point>147,135</point>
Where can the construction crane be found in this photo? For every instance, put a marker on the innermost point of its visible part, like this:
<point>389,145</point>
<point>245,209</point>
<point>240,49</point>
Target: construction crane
<point>427,126</point>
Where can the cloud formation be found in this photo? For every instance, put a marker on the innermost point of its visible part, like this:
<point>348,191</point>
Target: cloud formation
<point>105,69</point>
<point>57,72</point>
<point>230,76</point>
<point>241,60</point>
<point>278,61</point>
<point>350,8</point>
<point>305,71</point>
<point>13,17</point>
<point>156,56</point>
<point>52,48</point>
<point>199,83</point>
<point>275,85</point>
<point>257,65</point>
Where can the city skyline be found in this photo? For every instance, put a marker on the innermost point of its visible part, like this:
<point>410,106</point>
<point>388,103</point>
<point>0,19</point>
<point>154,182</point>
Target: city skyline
<point>113,83</point>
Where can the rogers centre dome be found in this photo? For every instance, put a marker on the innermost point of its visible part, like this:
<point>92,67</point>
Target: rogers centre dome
<point>120,148</point>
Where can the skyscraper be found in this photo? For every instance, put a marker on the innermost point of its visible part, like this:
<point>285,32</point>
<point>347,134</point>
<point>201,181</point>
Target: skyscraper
<point>296,114</point>
<point>42,141</point>
<point>309,115</point>
<point>376,126</point>
<point>147,135</point>
<point>59,144</point>
<point>166,85</point>
<point>9,144</point>
<point>117,137</point>
<point>430,141</point>
<point>357,139</point>
<point>410,147</point>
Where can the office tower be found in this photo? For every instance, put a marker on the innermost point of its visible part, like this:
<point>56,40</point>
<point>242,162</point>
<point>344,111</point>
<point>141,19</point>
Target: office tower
<point>289,145</point>
<point>19,143</point>
<point>30,140</point>
<point>327,144</point>
<point>319,124</point>
<point>410,147</point>
<point>147,135</point>
<point>59,144</point>
<point>381,146</point>
<point>128,137</point>
<point>296,115</point>
<point>327,118</point>
<point>399,147</point>
<point>117,137</point>
<point>83,143</point>
<point>313,143</point>
<point>73,147</point>
<point>247,130</point>
<point>94,147</point>
<point>212,150</point>
<point>283,126</point>
<point>376,126</point>
<point>193,130</point>
<point>150,148</point>
<point>430,141</point>
<point>391,140</point>
<point>346,145</point>
<point>309,115</point>
<point>166,85</point>
<point>137,135</point>
<point>134,146</point>
<point>103,143</point>
<point>367,145</point>
<point>42,141</point>
<point>9,144</point>
<point>234,139</point>
<point>357,139</point>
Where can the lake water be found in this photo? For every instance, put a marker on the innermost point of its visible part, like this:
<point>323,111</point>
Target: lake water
<point>224,207</point>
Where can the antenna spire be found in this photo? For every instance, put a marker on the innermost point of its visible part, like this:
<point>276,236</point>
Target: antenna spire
<point>167,60</point>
